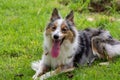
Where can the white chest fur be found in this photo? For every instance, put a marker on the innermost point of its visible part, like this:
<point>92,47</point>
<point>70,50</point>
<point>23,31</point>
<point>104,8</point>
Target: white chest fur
<point>67,50</point>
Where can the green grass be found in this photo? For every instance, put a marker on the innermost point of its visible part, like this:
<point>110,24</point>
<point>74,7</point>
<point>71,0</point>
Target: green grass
<point>22,24</point>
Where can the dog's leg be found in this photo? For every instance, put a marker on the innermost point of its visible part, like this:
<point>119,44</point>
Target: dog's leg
<point>104,63</point>
<point>50,73</point>
<point>40,69</point>
<point>108,62</point>
<point>55,72</point>
<point>109,58</point>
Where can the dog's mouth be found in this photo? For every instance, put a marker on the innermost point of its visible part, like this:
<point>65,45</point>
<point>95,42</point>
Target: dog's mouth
<point>56,47</point>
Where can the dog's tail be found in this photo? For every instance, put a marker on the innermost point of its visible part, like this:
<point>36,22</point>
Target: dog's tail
<point>113,50</point>
<point>35,65</point>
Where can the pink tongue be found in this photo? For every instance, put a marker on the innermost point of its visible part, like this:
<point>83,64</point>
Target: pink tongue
<point>55,48</point>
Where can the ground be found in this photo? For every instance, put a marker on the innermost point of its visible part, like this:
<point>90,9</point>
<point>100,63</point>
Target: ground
<point>22,23</point>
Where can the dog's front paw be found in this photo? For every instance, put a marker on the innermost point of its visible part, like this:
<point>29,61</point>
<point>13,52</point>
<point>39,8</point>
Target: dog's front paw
<point>35,76</point>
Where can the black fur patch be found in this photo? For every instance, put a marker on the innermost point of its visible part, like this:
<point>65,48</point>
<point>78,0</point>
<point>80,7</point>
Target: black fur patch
<point>84,52</point>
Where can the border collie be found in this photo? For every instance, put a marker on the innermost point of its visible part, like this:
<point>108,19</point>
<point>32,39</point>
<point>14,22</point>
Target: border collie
<point>65,47</point>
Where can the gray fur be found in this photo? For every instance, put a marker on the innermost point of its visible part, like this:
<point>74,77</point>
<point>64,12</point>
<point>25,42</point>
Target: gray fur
<point>102,43</point>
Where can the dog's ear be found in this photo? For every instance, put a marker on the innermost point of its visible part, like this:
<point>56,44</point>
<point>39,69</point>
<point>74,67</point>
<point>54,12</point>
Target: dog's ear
<point>70,16</point>
<point>55,15</point>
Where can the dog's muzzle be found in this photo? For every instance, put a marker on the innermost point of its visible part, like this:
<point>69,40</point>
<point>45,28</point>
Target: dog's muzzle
<point>57,38</point>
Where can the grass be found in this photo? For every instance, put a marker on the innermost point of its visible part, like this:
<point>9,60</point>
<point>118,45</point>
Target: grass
<point>22,24</point>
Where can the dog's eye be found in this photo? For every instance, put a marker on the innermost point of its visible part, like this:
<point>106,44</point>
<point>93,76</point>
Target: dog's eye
<point>53,28</point>
<point>64,30</point>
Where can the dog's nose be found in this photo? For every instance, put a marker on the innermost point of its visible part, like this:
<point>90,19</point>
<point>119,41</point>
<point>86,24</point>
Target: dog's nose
<point>56,36</point>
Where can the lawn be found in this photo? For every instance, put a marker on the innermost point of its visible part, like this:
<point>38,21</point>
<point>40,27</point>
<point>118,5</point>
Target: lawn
<point>22,25</point>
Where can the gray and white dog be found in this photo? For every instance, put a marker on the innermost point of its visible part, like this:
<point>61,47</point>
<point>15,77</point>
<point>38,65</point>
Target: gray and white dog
<point>66,47</point>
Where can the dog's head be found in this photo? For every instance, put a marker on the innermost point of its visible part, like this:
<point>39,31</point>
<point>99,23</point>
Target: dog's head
<point>102,44</point>
<point>59,30</point>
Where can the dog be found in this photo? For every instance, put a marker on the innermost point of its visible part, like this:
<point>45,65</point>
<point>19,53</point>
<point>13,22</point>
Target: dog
<point>60,44</point>
<point>65,47</point>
